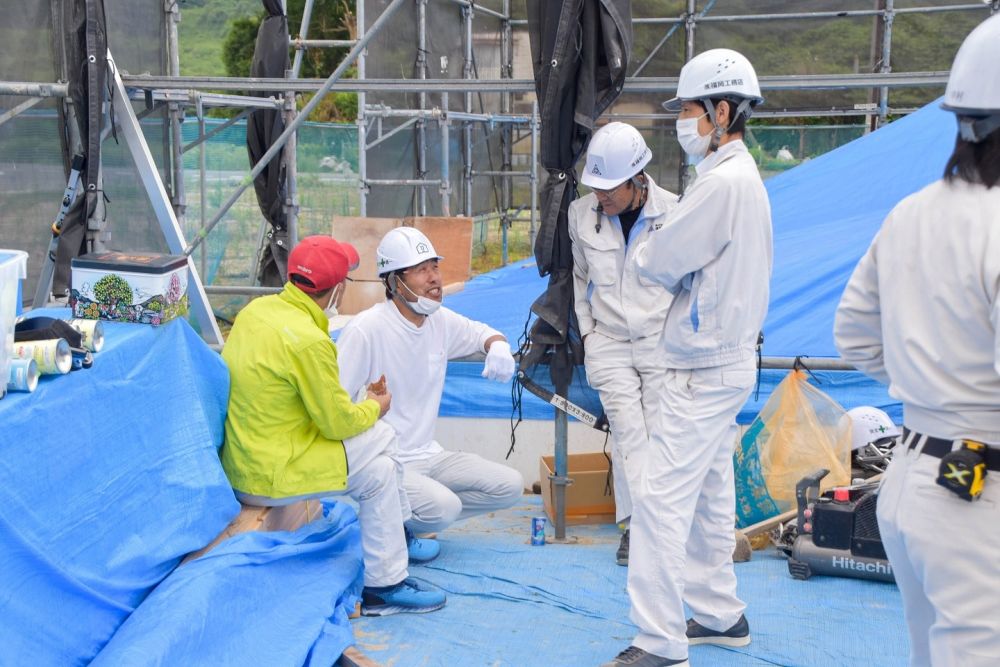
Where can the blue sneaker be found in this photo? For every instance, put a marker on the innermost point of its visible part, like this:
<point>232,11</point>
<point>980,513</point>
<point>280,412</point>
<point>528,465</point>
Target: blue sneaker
<point>410,596</point>
<point>421,550</point>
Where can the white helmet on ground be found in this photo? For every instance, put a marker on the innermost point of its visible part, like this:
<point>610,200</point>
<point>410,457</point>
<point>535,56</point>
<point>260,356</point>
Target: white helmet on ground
<point>973,91</point>
<point>616,153</point>
<point>717,73</point>
<point>870,425</point>
<point>873,435</point>
<point>402,248</point>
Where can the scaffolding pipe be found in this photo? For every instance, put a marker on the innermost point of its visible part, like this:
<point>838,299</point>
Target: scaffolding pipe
<point>300,44</point>
<point>802,15</point>
<point>506,130</point>
<point>293,127</point>
<point>33,89</point>
<point>303,44</point>
<point>887,19</point>
<point>533,229</point>
<point>229,123</point>
<point>19,109</point>
<point>421,204</point>
<point>445,187</point>
<point>290,158</point>
<point>479,8</point>
<point>410,182</point>
<point>467,125</point>
<point>202,217</point>
<point>362,130</point>
<point>506,172</point>
<point>392,132</point>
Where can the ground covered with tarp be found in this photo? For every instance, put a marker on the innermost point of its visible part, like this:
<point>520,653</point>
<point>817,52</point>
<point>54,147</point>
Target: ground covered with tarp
<point>825,214</point>
<point>109,477</point>
<point>513,604</point>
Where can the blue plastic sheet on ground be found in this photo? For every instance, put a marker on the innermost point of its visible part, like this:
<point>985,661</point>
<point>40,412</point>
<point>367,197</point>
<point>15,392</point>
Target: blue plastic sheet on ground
<point>825,213</point>
<point>275,599</point>
<point>108,477</point>
<point>511,604</point>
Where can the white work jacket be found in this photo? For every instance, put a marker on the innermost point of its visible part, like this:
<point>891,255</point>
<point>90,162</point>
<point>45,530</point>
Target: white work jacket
<point>713,252</point>
<point>921,312</point>
<point>610,296</point>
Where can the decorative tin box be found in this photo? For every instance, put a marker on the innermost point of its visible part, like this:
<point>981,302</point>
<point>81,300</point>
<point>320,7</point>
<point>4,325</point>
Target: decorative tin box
<point>146,288</point>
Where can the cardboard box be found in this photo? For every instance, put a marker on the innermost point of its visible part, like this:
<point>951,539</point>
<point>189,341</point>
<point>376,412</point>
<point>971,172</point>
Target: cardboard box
<point>452,238</point>
<point>586,500</point>
<point>364,234</point>
<point>13,269</point>
<point>360,295</point>
<point>141,287</point>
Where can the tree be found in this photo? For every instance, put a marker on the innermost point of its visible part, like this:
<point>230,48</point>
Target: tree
<point>330,19</point>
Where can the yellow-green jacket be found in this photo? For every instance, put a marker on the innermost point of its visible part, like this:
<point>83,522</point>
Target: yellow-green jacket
<point>288,414</point>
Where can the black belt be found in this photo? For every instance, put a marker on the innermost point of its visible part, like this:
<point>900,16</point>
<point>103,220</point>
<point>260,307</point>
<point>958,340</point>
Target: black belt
<point>938,447</point>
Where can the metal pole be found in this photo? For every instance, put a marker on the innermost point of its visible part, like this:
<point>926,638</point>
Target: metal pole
<point>690,25</point>
<point>362,134</point>
<point>291,129</point>
<point>506,130</point>
<point>300,49</point>
<point>203,257</point>
<point>290,156</point>
<point>173,17</point>
<point>533,225</point>
<point>421,207</point>
<point>883,100</point>
<point>467,125</point>
<point>443,123</point>
<point>559,479</point>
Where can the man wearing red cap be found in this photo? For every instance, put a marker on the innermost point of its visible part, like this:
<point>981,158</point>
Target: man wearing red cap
<point>292,429</point>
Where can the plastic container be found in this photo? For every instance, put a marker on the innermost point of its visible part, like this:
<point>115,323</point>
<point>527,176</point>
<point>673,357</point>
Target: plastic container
<point>13,269</point>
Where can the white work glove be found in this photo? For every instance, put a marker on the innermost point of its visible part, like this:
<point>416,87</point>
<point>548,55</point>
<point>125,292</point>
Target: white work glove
<point>499,362</point>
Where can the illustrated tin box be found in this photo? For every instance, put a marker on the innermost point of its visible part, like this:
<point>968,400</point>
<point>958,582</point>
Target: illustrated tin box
<point>146,288</point>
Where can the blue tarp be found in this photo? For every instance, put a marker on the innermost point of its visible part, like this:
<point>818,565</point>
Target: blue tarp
<point>108,478</point>
<point>825,213</point>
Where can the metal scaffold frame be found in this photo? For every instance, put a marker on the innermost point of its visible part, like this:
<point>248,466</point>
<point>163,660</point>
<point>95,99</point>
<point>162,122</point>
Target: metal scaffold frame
<point>177,94</point>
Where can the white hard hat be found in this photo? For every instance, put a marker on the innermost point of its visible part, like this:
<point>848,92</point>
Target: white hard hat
<point>402,248</point>
<point>616,153</point>
<point>974,83</point>
<point>870,424</point>
<point>716,73</point>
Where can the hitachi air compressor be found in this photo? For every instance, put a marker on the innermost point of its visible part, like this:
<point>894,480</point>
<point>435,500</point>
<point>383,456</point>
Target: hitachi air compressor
<point>837,532</point>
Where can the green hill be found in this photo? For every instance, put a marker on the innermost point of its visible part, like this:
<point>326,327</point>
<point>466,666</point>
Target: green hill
<point>202,29</point>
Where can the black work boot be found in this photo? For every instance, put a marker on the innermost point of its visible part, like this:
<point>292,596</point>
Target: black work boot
<point>621,556</point>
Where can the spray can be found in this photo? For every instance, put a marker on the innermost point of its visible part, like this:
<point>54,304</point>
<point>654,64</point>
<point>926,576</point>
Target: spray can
<point>52,356</point>
<point>23,375</point>
<point>538,531</point>
<point>92,331</point>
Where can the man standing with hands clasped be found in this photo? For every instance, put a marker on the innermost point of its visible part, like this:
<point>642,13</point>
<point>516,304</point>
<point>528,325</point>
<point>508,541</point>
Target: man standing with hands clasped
<point>713,253</point>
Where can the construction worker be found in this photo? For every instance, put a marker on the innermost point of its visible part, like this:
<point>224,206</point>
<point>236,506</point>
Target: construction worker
<point>620,312</point>
<point>713,253</point>
<point>921,313</point>
<point>409,339</point>
<point>292,433</point>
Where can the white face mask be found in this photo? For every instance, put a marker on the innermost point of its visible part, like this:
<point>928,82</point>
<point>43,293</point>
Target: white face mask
<point>693,143</point>
<point>423,305</point>
<point>331,308</point>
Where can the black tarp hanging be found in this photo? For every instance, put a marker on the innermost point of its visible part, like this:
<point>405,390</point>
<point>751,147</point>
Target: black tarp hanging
<point>580,52</point>
<point>270,59</point>
<point>84,50</point>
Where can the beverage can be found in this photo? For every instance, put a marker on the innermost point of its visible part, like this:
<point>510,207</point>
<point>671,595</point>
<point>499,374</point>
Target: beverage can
<point>23,375</point>
<point>538,531</point>
<point>52,356</point>
<point>92,332</point>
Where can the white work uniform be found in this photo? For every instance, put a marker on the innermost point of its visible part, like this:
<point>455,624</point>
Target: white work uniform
<point>621,316</point>
<point>713,253</point>
<point>442,486</point>
<point>922,313</point>
<point>375,483</point>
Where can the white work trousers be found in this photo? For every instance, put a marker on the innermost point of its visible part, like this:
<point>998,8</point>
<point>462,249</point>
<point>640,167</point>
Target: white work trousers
<point>627,376</point>
<point>375,482</point>
<point>944,553</point>
<point>682,536</point>
<point>449,486</point>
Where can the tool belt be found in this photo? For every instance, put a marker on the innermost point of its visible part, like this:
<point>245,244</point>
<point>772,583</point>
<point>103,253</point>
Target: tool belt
<point>939,447</point>
<point>963,470</point>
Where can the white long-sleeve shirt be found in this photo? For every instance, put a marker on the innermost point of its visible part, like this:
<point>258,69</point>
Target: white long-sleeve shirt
<point>414,361</point>
<point>921,312</point>
<point>714,254</point>
<point>610,296</point>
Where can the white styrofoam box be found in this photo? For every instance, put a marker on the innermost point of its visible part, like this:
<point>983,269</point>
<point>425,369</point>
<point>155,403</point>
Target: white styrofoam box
<point>13,269</point>
<point>142,287</point>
